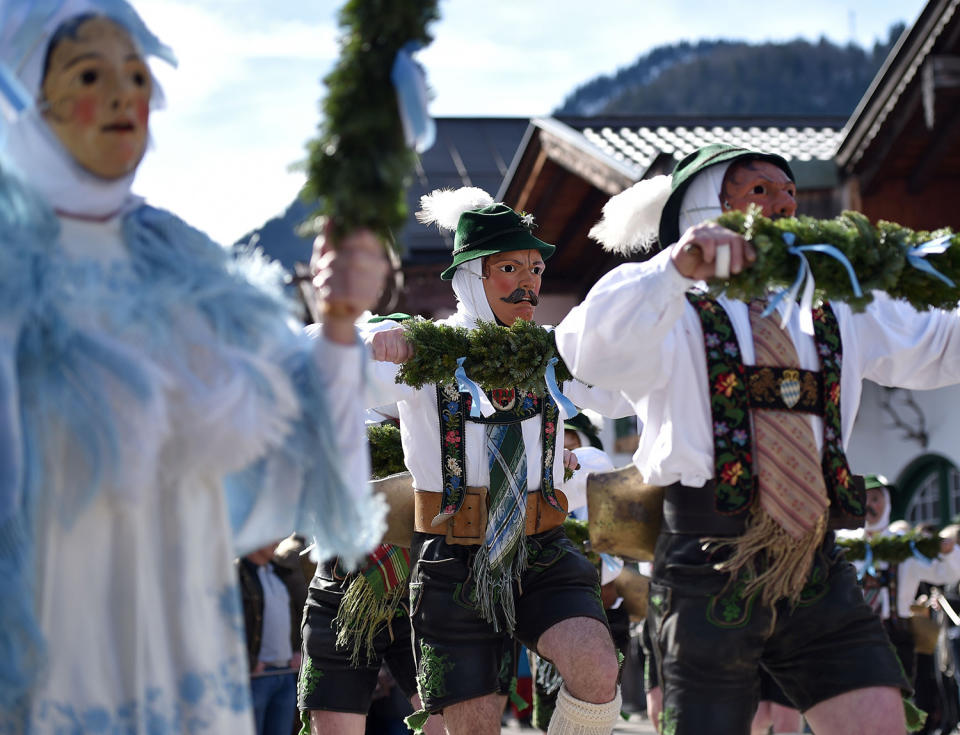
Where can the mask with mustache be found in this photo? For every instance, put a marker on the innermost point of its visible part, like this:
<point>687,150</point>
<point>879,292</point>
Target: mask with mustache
<point>519,295</point>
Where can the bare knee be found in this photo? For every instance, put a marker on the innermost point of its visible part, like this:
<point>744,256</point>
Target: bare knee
<point>877,710</point>
<point>583,652</point>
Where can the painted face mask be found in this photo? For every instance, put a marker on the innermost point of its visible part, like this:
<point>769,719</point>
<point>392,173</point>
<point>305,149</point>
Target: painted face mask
<point>762,183</point>
<point>512,284</point>
<point>96,97</point>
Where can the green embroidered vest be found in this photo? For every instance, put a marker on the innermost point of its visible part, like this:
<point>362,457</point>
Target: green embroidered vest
<point>453,409</point>
<point>735,389</point>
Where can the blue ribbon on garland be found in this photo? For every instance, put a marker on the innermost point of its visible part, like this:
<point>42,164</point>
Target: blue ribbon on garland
<point>480,404</point>
<point>917,257</point>
<point>567,409</point>
<point>805,278</point>
<point>610,562</point>
<point>868,567</point>
<point>925,560</point>
<point>413,96</point>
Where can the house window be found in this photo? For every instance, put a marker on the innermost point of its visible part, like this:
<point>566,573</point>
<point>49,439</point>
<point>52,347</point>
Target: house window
<point>928,492</point>
<point>924,506</point>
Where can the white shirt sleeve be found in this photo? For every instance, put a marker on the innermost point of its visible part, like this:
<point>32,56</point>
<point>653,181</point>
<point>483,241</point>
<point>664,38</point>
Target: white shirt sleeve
<point>621,334</point>
<point>895,345</point>
<point>342,370</point>
<point>911,572</point>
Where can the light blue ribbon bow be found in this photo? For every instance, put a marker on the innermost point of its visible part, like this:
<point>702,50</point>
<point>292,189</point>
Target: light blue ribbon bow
<point>567,409</point>
<point>480,404</point>
<point>805,279</point>
<point>917,257</point>
<point>868,567</point>
<point>410,81</point>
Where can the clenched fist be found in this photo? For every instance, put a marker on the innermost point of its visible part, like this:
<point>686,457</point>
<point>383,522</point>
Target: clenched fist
<point>348,280</point>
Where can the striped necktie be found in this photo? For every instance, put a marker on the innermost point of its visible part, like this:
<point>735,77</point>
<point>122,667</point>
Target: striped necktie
<point>789,471</point>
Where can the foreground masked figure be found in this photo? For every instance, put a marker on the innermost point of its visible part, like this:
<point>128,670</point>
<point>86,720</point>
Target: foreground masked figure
<point>480,579</point>
<point>161,411</point>
<point>747,575</point>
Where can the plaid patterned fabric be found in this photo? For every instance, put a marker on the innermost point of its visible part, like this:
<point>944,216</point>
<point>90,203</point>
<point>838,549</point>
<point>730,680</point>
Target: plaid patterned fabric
<point>508,493</point>
<point>503,554</point>
<point>387,567</point>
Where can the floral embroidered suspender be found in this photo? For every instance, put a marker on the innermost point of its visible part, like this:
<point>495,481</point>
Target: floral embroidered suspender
<point>453,409</point>
<point>735,388</point>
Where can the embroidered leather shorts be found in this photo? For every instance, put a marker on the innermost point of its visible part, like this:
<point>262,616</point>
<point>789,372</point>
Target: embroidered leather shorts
<point>710,643</point>
<point>328,679</point>
<point>459,654</point>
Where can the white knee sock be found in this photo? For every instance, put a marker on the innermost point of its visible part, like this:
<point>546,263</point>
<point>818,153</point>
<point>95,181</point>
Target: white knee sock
<point>576,717</point>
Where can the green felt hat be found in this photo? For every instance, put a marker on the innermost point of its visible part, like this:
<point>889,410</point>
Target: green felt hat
<point>584,425</point>
<point>492,229</point>
<point>693,164</point>
<point>871,482</point>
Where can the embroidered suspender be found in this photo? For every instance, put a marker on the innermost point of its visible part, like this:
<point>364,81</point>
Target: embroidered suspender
<point>735,388</point>
<point>453,410</point>
<point>846,496</point>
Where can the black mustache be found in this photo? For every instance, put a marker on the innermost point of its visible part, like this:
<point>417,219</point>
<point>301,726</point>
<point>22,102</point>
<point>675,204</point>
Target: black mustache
<point>519,295</point>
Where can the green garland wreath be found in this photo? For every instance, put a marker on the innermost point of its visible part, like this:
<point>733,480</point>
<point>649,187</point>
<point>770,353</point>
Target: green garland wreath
<point>891,549</point>
<point>497,356</point>
<point>386,451</point>
<point>359,164</point>
<point>878,254</point>
<point>579,533</point>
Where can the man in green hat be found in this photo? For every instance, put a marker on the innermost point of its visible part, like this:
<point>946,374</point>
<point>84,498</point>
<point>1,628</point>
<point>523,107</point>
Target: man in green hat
<point>746,575</point>
<point>491,563</point>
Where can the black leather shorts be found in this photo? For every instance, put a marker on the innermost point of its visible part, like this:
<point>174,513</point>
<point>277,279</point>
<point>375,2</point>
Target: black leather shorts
<point>459,654</point>
<point>711,644</point>
<point>329,681</point>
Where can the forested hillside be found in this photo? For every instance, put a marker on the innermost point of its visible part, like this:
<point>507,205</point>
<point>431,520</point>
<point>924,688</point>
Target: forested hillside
<point>736,78</point>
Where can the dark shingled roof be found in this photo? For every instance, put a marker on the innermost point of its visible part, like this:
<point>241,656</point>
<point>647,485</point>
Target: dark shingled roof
<point>474,151</point>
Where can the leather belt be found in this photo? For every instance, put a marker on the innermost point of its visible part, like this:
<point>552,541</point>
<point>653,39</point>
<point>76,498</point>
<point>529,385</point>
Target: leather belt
<point>468,525</point>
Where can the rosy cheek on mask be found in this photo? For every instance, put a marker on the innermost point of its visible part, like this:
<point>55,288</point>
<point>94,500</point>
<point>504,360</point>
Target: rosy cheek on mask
<point>85,110</point>
<point>143,111</point>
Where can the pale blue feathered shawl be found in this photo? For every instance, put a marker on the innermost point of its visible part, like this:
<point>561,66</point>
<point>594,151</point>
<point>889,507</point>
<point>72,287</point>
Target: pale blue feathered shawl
<point>55,371</point>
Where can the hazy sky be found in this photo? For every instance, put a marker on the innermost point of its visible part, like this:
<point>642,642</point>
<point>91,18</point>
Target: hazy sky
<point>244,99</point>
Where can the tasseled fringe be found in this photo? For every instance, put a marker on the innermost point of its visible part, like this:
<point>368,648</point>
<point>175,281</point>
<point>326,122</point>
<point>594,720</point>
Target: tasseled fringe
<point>362,615</point>
<point>774,561</point>
<point>495,586</point>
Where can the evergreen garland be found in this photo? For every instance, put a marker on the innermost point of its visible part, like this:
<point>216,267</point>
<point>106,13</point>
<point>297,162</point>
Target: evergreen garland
<point>891,549</point>
<point>497,357</point>
<point>386,452</point>
<point>360,164</point>
<point>878,254</point>
<point>579,533</point>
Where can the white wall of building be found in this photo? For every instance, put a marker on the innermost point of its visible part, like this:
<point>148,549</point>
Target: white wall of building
<point>877,447</point>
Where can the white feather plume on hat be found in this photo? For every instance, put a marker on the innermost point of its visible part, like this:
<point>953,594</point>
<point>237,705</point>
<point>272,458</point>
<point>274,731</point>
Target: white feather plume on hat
<point>443,207</point>
<point>631,219</point>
